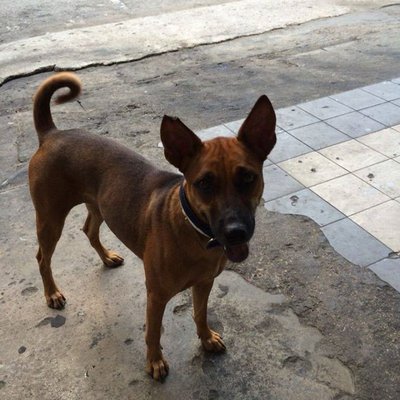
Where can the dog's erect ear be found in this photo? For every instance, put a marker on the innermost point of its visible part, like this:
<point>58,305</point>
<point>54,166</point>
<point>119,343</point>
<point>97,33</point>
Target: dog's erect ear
<point>257,132</point>
<point>180,143</point>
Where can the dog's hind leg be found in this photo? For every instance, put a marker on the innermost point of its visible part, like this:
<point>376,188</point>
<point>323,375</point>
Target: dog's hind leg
<point>49,227</point>
<point>92,229</point>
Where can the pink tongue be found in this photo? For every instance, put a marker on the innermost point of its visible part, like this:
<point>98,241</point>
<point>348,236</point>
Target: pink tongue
<point>237,253</point>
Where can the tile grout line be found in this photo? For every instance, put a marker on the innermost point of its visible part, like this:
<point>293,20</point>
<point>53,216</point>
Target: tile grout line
<point>333,161</point>
<point>346,169</point>
<point>380,122</point>
<point>322,199</point>
<point>357,177</point>
<point>389,157</point>
<point>325,121</point>
<point>303,186</point>
<point>378,261</point>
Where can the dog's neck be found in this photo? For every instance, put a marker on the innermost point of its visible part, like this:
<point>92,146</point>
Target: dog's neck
<point>200,226</point>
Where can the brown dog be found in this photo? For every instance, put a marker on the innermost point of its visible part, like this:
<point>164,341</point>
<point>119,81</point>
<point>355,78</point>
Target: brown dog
<point>184,228</point>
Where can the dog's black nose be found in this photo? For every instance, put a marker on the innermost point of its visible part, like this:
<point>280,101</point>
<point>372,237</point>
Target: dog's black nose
<point>236,233</point>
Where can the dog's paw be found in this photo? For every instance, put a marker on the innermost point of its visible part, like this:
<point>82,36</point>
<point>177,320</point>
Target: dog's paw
<point>112,260</point>
<point>213,343</point>
<point>157,369</point>
<point>56,300</point>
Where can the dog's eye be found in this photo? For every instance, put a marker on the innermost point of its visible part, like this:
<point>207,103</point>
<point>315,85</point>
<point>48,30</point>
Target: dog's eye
<point>245,179</point>
<point>205,184</point>
<point>249,177</point>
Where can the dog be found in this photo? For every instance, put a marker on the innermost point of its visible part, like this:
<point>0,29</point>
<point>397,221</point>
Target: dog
<point>183,227</point>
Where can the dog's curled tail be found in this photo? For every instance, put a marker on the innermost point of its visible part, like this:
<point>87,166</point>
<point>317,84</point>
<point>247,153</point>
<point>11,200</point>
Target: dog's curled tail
<point>41,103</point>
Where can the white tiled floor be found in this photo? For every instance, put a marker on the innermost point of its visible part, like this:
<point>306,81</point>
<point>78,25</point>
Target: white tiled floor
<point>375,180</point>
<point>384,176</point>
<point>349,194</point>
<point>355,124</point>
<point>385,113</point>
<point>352,155</point>
<point>293,117</point>
<point>312,168</point>
<point>286,147</point>
<point>385,90</point>
<point>357,174</point>
<point>319,135</point>
<point>386,141</point>
<point>382,221</point>
<point>325,108</point>
<point>357,99</point>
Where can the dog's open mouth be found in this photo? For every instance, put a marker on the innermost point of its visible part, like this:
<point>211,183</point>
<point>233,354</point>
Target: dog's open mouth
<point>238,252</point>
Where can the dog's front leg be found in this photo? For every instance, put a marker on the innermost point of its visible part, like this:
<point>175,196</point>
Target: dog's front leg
<point>210,340</point>
<point>157,367</point>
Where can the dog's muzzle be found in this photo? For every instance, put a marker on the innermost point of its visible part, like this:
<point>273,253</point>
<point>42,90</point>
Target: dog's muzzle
<point>235,232</point>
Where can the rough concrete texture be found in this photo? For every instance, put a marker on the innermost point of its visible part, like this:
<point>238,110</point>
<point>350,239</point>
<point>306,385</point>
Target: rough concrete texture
<point>98,338</point>
<point>315,327</point>
<point>76,14</point>
<point>142,37</point>
<point>19,24</point>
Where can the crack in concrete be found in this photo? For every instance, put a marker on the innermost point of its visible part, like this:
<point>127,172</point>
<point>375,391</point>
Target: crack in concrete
<point>273,56</point>
<point>55,68</point>
<point>36,71</point>
<point>215,32</point>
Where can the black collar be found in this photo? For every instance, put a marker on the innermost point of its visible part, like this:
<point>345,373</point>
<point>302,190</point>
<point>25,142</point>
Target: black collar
<point>196,222</point>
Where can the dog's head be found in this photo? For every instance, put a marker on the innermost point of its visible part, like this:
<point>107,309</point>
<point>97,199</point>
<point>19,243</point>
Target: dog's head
<point>223,176</point>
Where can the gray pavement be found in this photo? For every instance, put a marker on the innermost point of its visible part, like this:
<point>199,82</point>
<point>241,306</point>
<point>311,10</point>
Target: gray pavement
<point>97,351</point>
<point>303,323</point>
<point>137,38</point>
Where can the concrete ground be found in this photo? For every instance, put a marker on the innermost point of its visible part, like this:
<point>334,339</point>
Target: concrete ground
<point>299,320</point>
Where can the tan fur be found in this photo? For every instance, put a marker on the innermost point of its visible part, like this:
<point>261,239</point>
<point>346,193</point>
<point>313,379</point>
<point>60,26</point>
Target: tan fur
<point>140,204</point>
